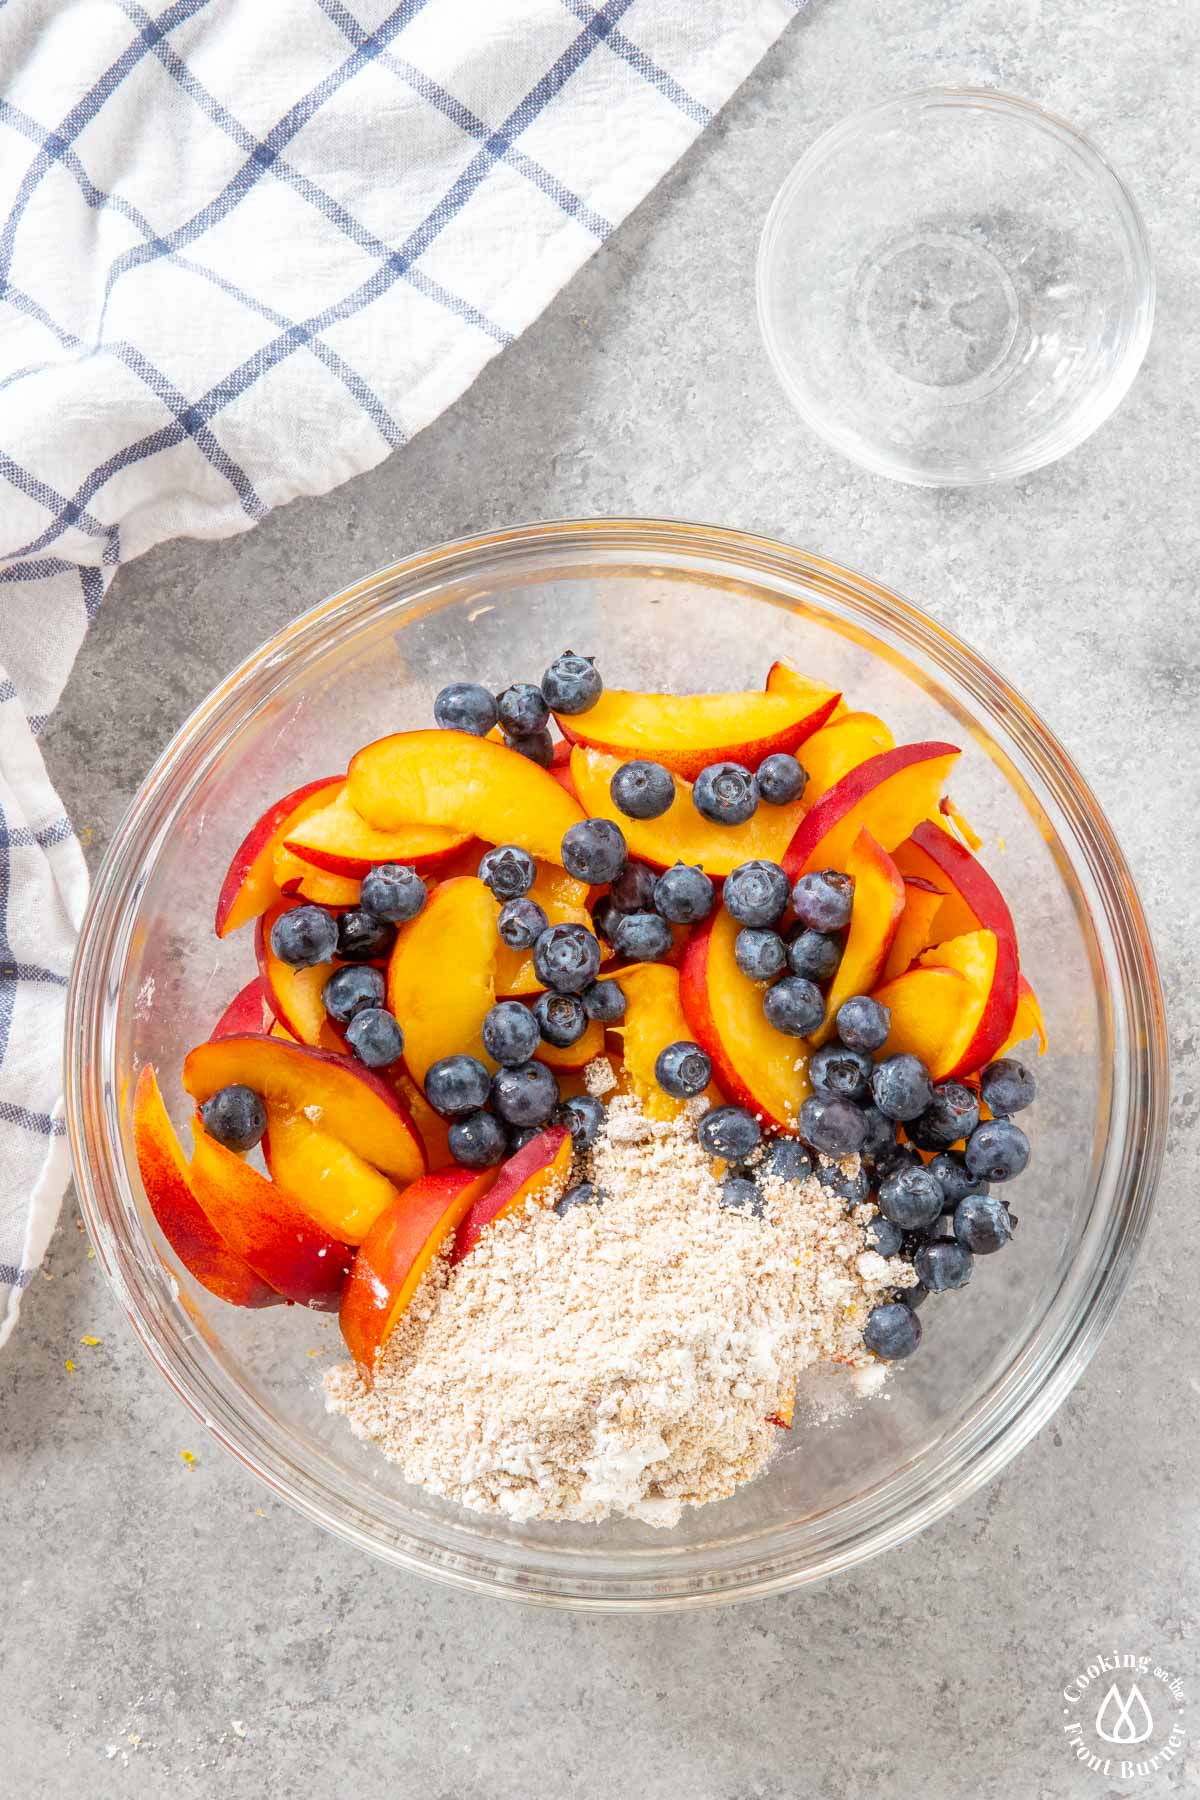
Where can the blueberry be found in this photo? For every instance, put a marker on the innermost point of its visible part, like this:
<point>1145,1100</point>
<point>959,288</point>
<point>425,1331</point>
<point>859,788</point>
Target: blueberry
<point>892,1331</point>
<point>725,794</point>
<point>521,923</point>
<point>863,1023</point>
<point>901,1087</point>
<point>478,1141</point>
<point>393,891</point>
<point>585,1193</point>
<point>683,894</point>
<point>375,1037</point>
<point>236,1117</point>
<point>957,1181</point>
<point>605,916</point>
<point>814,954</point>
<point>953,1113</point>
<point>787,1159</point>
<point>571,684</point>
<point>780,779</point>
<point>741,1195</point>
<point>756,893</point>
<point>642,790</point>
<point>834,1126</point>
<point>730,1132</point>
<point>560,1018</point>
<point>508,870</point>
<point>943,1263</point>
<point>997,1150</point>
<point>912,1297</point>
<point>824,900</point>
<point>794,1006</point>
<point>583,1116</point>
<point>880,1142</point>
<point>349,990</point>
<point>683,1070</point>
<point>1007,1086</point>
<point>510,1032</point>
<point>910,1197</point>
<point>884,1238</point>
<point>642,937</point>
<point>895,1155</point>
<point>633,890</point>
<point>538,747</point>
<point>853,1189</point>
<point>522,710</point>
<point>526,1095</point>
<point>836,1069</point>
<point>361,937</point>
<point>982,1224</point>
<point>594,851</point>
<point>304,936</point>
<point>760,955</point>
<point>567,957</point>
<point>520,1135</point>
<point>465,706</point>
<point>457,1085</point>
<point>605,1002</point>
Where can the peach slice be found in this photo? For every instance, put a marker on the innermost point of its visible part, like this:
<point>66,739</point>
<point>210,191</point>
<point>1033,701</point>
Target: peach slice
<point>181,1219</point>
<point>878,905</point>
<point>433,1128</point>
<point>887,795</point>
<point>338,839</point>
<point>654,1018</point>
<point>442,973</point>
<point>343,1098</point>
<point>560,767</point>
<point>964,828</point>
<point>681,832</point>
<point>953,1037</point>
<point>264,1225</point>
<point>294,995</point>
<point>686,732</point>
<point>927,1006</point>
<point>841,746</point>
<point>577,1055</point>
<point>338,1189</point>
<point>249,885</point>
<point>564,902</point>
<point>464,783</point>
<point>914,933</point>
<point>396,1253</point>
<point>247,1011</point>
<point>294,876</point>
<point>1028,1022</point>
<point>753,1063</point>
<point>538,1172</point>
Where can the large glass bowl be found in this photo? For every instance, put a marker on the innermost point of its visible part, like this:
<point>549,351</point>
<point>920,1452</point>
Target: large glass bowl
<point>659,605</point>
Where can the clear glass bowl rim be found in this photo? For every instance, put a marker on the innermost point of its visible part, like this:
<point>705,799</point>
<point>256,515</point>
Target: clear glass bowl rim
<point>1139,311</point>
<point>915,1495</point>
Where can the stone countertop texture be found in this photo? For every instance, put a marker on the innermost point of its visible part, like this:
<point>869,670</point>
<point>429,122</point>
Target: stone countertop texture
<point>170,1629</point>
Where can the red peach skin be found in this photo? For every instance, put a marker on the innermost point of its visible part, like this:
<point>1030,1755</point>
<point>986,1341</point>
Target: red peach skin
<point>249,885</point>
<point>887,795</point>
<point>538,1172</point>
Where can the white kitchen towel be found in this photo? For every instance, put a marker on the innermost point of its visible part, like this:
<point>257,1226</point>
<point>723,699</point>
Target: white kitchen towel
<point>249,248</point>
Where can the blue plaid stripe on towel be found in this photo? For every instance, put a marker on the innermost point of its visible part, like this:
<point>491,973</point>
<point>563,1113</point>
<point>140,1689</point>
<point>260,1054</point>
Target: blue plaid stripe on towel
<point>248,248</point>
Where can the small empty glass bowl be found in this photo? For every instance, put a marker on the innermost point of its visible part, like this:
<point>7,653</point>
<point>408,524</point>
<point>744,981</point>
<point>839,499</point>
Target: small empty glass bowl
<point>955,288</point>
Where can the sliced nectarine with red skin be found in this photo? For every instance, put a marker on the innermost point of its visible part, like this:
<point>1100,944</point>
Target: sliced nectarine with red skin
<point>538,1172</point>
<point>878,905</point>
<point>247,1011</point>
<point>184,1223</point>
<point>442,973</point>
<point>980,957</point>
<point>1028,1022</point>
<point>963,826</point>
<point>338,839</point>
<point>265,1226</point>
<point>433,1128</point>
<point>578,1055</point>
<point>914,933</point>
<point>753,1063</point>
<point>338,1189</point>
<point>681,833</point>
<point>887,795</point>
<point>687,732</point>
<point>926,1007</point>
<point>560,767</point>
<point>840,746</point>
<point>304,881</point>
<point>341,1096</point>
<point>463,783</point>
<point>249,885</point>
<point>396,1253</point>
<point>294,995</point>
<point>654,1018</point>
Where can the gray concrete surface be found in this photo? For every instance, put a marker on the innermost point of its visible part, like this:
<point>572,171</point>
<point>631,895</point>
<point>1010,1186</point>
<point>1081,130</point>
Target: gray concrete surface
<point>168,1630</point>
